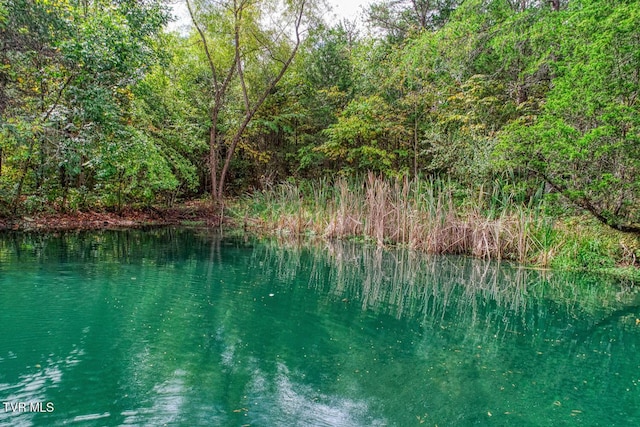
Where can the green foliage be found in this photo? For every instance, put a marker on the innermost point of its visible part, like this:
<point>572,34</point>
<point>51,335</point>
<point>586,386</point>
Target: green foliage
<point>367,137</point>
<point>66,96</point>
<point>321,83</point>
<point>589,150</point>
<point>584,253</point>
<point>397,19</point>
<point>528,111</point>
<point>170,111</point>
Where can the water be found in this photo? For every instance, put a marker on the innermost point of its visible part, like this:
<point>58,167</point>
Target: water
<point>177,327</point>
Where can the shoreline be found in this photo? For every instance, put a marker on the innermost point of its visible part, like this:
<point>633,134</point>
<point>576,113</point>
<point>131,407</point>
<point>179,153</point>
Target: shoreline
<point>201,213</point>
<point>190,213</point>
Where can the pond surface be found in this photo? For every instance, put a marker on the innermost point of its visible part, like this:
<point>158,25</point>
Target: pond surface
<point>178,327</point>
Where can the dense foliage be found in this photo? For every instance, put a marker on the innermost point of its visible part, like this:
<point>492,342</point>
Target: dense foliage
<point>69,131</point>
<point>102,106</point>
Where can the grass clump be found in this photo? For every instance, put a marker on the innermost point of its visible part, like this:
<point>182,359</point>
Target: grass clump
<point>436,217</point>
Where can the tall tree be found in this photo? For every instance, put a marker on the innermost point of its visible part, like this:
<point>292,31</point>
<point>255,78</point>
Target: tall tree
<point>322,83</point>
<point>586,141</point>
<point>263,37</point>
<point>398,18</point>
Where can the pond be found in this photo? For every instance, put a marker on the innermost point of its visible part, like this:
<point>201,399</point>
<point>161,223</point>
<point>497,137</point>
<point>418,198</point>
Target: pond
<point>185,328</point>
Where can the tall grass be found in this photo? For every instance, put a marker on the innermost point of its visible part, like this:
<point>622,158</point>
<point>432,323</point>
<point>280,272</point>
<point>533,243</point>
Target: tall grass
<point>427,215</point>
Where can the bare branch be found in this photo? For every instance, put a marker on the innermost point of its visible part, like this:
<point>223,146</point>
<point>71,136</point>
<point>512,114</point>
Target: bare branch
<point>238,18</point>
<point>253,110</point>
<point>205,45</point>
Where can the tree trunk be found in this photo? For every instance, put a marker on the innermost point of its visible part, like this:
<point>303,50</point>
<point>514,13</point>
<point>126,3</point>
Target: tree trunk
<point>220,87</point>
<point>213,163</point>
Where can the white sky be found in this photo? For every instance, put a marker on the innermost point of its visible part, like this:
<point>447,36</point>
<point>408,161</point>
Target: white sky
<point>349,9</point>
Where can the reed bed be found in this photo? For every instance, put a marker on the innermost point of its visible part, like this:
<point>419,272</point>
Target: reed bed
<point>424,215</point>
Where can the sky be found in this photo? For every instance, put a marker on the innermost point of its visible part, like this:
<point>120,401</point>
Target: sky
<point>349,9</point>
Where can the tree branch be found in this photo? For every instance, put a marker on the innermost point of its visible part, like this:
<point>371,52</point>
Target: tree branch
<point>238,18</point>
<point>586,204</point>
<point>205,45</point>
<point>252,111</point>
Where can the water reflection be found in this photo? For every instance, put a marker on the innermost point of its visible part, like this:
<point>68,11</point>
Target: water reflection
<point>180,327</point>
<point>436,288</point>
<point>281,399</point>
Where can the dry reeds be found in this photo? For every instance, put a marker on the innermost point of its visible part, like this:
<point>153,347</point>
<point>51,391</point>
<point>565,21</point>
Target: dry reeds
<point>418,214</point>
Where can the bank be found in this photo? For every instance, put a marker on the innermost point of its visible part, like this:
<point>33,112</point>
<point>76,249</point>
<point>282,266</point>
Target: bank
<point>384,216</point>
<point>435,218</point>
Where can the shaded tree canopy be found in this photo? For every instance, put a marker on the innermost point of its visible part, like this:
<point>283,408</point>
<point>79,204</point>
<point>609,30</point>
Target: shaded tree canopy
<point>102,106</point>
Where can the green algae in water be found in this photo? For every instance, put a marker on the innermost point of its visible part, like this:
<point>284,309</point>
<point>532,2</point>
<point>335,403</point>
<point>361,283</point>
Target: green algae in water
<point>179,327</point>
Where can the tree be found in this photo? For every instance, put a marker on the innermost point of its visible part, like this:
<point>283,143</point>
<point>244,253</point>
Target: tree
<point>398,18</point>
<point>369,136</point>
<point>263,37</point>
<point>586,141</point>
<point>65,93</point>
<point>170,107</point>
<point>320,85</point>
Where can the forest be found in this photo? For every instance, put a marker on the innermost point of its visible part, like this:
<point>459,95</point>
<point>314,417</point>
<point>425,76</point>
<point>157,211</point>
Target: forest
<point>498,128</point>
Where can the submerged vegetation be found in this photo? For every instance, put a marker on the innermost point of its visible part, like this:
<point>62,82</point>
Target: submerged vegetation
<point>495,128</point>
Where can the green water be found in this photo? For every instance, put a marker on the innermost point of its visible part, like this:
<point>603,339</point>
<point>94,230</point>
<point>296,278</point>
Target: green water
<point>177,327</point>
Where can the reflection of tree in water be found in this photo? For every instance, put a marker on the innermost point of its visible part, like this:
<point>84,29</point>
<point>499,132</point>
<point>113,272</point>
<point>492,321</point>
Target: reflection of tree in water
<point>349,326</point>
<point>436,289</point>
<point>531,345</point>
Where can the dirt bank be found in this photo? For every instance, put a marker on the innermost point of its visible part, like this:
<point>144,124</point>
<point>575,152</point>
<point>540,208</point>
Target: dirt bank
<point>191,213</point>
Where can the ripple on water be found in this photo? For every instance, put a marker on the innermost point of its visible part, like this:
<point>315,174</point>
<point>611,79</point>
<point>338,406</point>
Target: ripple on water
<point>228,334</point>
